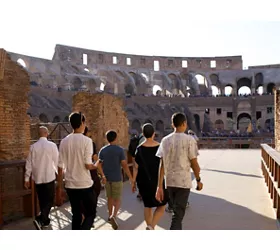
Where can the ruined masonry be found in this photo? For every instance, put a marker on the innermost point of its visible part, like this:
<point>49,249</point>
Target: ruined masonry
<point>103,112</point>
<point>14,121</point>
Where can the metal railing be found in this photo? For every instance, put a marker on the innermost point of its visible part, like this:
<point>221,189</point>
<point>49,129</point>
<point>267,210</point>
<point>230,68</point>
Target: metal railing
<point>270,164</point>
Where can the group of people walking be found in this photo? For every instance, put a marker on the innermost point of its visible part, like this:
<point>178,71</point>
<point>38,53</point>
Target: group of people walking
<point>161,173</point>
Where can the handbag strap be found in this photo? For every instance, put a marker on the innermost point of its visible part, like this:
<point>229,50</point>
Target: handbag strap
<point>144,163</point>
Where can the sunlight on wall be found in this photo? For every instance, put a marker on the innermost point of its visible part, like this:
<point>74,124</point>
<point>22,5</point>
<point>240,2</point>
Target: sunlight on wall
<point>156,88</point>
<point>102,86</point>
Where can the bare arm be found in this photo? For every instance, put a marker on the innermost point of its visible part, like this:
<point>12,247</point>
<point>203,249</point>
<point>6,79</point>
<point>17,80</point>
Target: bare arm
<point>126,169</point>
<point>195,167</point>
<point>28,166</point>
<point>98,165</point>
<point>90,166</point>
<point>135,170</point>
<point>95,158</point>
<point>160,174</point>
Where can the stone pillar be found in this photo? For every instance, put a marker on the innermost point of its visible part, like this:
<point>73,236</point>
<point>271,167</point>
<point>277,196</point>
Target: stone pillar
<point>14,121</point>
<point>277,119</point>
<point>103,112</point>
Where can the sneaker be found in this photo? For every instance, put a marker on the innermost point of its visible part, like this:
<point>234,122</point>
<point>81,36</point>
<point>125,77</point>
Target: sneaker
<point>114,223</point>
<point>149,228</point>
<point>37,224</point>
<point>188,204</point>
<point>169,210</point>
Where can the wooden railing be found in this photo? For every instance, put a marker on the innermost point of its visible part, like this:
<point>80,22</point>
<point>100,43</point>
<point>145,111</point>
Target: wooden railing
<point>270,163</point>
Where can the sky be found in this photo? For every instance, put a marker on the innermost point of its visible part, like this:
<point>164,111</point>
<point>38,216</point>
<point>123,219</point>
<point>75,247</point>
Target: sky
<point>166,28</point>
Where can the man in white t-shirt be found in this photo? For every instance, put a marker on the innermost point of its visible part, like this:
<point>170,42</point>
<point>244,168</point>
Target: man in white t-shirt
<point>178,153</point>
<point>75,157</point>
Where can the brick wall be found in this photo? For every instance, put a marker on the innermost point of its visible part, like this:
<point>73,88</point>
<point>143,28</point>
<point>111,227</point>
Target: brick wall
<point>103,112</point>
<point>15,123</point>
<point>277,119</point>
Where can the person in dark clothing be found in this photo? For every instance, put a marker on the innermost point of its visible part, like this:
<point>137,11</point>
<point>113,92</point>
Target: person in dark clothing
<point>94,173</point>
<point>145,173</point>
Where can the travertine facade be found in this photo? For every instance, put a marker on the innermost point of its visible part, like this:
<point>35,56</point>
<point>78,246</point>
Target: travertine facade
<point>103,112</point>
<point>191,81</point>
<point>14,121</point>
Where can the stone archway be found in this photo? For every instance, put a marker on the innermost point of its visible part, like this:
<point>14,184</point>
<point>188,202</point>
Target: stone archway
<point>245,118</point>
<point>244,86</point>
<point>129,89</point>
<point>56,119</point>
<point>43,118</point>
<point>160,126</point>
<point>136,125</point>
<point>197,122</point>
<point>269,88</point>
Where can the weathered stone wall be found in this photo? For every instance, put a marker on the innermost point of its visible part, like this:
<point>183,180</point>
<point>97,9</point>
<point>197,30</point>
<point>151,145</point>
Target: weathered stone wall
<point>57,131</point>
<point>277,119</point>
<point>103,112</point>
<point>14,121</point>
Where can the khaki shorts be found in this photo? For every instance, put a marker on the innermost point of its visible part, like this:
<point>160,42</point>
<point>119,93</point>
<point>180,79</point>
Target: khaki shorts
<point>114,190</point>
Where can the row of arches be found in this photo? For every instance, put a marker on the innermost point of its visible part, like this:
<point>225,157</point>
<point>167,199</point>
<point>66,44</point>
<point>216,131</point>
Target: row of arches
<point>243,86</point>
<point>243,122</point>
<point>45,119</point>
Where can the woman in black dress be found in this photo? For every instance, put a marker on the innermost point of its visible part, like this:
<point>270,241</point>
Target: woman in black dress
<point>145,173</point>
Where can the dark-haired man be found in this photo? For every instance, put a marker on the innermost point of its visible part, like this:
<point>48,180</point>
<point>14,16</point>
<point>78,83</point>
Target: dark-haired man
<point>112,158</point>
<point>76,158</point>
<point>178,153</point>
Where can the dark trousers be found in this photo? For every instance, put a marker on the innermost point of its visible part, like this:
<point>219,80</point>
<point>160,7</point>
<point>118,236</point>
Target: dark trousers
<point>46,193</point>
<point>87,198</point>
<point>178,198</point>
<point>96,184</point>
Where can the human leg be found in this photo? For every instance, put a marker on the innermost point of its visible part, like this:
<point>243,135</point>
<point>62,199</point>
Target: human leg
<point>75,198</point>
<point>179,199</point>
<point>148,215</point>
<point>89,204</point>
<point>116,196</point>
<point>108,189</point>
<point>158,213</point>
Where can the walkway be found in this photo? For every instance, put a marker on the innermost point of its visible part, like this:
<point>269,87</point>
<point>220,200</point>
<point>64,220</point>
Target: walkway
<point>234,197</point>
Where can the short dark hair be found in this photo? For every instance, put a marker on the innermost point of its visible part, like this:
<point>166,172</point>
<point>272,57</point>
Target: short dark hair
<point>86,130</point>
<point>111,135</point>
<point>148,130</point>
<point>178,119</point>
<point>76,119</point>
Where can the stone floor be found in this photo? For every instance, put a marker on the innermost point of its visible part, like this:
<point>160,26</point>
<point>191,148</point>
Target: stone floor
<point>234,197</point>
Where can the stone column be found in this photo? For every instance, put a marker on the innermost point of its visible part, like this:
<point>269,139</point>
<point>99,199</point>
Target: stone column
<point>253,86</point>
<point>277,119</point>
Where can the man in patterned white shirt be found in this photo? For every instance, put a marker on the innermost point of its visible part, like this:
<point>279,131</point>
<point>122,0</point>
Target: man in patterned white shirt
<point>178,153</point>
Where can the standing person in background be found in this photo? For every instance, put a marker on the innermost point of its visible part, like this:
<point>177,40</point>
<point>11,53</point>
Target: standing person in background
<point>112,159</point>
<point>42,162</point>
<point>178,153</point>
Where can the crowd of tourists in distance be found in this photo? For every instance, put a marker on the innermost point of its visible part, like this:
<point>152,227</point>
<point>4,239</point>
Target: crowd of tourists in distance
<point>161,173</point>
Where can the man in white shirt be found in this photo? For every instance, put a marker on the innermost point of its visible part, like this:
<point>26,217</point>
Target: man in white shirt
<point>75,157</point>
<point>42,163</point>
<point>178,153</point>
